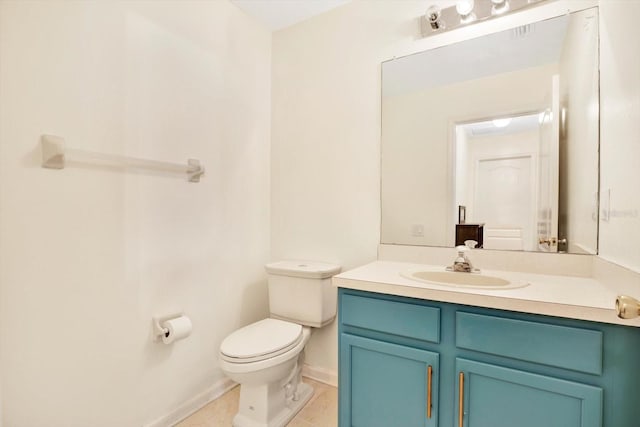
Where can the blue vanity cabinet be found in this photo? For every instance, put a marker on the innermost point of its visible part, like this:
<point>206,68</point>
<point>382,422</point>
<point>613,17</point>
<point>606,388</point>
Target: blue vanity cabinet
<point>495,368</point>
<point>494,396</point>
<point>387,384</point>
<point>531,398</point>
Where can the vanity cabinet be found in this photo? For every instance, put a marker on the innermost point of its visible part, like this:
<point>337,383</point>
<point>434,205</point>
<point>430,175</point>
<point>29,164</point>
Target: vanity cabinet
<point>408,362</point>
<point>385,382</point>
<point>494,396</point>
<point>389,384</point>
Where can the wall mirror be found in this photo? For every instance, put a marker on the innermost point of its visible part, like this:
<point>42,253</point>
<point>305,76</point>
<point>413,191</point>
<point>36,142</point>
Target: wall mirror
<point>495,140</point>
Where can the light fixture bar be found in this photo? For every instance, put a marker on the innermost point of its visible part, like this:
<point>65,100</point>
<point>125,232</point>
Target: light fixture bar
<point>482,10</point>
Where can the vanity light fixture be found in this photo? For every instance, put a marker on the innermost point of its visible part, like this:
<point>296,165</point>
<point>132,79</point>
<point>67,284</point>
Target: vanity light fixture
<point>499,7</point>
<point>437,20</point>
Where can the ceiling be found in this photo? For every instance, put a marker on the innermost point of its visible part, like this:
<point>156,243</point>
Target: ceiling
<point>278,14</point>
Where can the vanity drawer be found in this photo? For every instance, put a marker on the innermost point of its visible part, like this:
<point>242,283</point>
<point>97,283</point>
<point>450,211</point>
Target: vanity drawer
<point>397,318</point>
<point>553,345</point>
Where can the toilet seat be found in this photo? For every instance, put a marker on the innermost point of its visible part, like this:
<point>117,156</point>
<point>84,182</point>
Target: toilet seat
<point>261,340</point>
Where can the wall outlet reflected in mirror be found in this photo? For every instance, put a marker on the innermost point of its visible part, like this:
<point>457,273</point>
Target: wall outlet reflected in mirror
<point>417,230</point>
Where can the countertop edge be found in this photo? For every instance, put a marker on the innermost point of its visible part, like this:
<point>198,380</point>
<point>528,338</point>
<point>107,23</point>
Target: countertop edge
<point>593,314</point>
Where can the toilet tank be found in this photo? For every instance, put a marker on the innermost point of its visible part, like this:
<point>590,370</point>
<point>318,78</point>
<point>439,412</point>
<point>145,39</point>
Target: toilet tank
<point>301,292</point>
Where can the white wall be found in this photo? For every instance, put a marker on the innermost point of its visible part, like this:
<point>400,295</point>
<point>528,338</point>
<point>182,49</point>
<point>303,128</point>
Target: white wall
<point>325,143</point>
<point>579,135</point>
<point>88,255</point>
<point>462,172</point>
<point>620,131</point>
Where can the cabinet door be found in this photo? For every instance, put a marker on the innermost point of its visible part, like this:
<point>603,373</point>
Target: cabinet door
<point>493,396</point>
<point>387,385</point>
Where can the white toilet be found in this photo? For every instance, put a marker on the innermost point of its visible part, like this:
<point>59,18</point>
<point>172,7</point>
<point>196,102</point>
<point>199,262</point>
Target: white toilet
<point>266,357</point>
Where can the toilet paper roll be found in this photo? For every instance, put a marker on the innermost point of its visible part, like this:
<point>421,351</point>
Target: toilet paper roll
<point>176,329</point>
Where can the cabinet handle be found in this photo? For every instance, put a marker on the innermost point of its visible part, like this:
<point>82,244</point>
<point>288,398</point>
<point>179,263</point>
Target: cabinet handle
<point>461,399</point>
<point>429,378</point>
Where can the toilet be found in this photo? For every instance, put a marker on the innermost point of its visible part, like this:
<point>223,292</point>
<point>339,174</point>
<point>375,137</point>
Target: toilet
<point>266,357</point>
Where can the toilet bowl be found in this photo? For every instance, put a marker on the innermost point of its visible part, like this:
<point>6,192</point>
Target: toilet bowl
<point>266,357</point>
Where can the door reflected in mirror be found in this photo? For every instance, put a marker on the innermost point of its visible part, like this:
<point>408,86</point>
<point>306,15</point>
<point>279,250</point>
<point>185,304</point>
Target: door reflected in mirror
<point>501,178</point>
<point>503,128</point>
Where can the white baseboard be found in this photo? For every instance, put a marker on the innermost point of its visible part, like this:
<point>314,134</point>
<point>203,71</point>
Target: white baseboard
<point>193,404</point>
<point>322,375</point>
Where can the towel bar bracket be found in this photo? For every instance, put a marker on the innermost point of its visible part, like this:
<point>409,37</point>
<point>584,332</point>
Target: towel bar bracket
<point>195,170</point>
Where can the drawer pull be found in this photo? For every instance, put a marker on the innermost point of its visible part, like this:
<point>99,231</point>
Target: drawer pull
<point>429,378</point>
<point>461,400</point>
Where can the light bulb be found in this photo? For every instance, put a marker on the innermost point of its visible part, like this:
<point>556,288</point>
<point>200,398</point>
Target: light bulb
<point>464,7</point>
<point>433,16</point>
<point>499,7</point>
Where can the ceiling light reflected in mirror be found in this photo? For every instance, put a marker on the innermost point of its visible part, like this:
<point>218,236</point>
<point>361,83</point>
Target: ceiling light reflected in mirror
<point>501,123</point>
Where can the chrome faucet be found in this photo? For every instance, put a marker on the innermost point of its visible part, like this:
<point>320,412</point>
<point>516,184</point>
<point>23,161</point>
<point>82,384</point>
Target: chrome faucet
<point>462,263</point>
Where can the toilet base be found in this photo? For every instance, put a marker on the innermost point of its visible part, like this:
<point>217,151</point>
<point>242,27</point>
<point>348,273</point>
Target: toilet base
<point>286,414</point>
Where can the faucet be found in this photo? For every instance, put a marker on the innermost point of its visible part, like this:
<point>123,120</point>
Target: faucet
<point>462,263</point>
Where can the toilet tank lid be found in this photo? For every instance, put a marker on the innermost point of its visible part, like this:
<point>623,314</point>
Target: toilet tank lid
<point>307,269</point>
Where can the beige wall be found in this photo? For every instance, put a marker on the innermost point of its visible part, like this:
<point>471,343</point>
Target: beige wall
<point>620,131</point>
<point>88,255</point>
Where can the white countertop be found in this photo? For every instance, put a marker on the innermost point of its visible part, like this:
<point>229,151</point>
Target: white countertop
<point>561,296</point>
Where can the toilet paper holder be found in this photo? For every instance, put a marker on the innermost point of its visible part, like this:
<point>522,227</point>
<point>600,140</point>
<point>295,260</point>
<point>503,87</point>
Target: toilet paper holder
<point>160,331</point>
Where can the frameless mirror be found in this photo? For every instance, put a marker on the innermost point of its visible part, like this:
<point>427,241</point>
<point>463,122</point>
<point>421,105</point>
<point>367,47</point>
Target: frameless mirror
<point>495,140</point>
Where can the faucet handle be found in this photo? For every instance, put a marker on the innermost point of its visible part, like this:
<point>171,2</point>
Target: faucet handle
<point>471,244</point>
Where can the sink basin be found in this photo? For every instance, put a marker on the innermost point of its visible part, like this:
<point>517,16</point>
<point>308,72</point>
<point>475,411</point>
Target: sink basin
<point>464,280</point>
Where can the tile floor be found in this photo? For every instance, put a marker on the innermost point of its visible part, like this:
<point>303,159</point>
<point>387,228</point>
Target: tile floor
<point>320,411</point>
